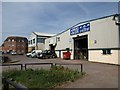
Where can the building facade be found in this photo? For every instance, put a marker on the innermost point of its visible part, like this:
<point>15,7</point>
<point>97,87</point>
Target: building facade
<point>36,41</point>
<point>95,40</point>
<point>15,44</point>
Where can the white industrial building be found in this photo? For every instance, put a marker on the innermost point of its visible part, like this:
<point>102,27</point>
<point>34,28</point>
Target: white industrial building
<point>95,40</point>
<point>36,41</point>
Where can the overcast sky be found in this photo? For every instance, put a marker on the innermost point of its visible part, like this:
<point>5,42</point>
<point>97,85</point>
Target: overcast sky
<point>23,18</point>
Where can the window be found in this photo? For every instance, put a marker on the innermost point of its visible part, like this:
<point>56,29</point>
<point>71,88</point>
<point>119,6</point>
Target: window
<point>58,38</point>
<point>13,50</point>
<point>41,40</point>
<point>104,51</point>
<point>33,40</point>
<point>22,51</point>
<point>29,42</point>
<point>22,40</point>
<point>9,40</point>
<point>13,40</point>
<point>107,51</point>
<point>13,45</point>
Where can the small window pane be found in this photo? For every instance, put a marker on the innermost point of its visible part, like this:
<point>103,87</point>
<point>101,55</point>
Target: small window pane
<point>104,51</point>
<point>33,40</point>
<point>108,51</point>
<point>12,40</point>
<point>58,39</point>
<point>9,40</point>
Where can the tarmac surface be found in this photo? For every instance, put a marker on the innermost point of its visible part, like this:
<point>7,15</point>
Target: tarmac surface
<point>97,75</point>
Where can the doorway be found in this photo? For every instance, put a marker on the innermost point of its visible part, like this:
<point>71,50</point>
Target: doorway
<point>81,47</point>
<point>52,47</point>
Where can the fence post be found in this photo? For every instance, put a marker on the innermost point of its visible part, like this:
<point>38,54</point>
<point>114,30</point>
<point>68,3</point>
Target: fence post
<point>51,65</point>
<point>21,66</point>
<point>5,84</point>
<point>25,66</point>
<point>81,68</point>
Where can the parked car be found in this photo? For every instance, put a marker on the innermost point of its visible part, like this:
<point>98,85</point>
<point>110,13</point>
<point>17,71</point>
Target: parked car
<point>20,53</point>
<point>46,54</point>
<point>34,53</point>
<point>13,53</point>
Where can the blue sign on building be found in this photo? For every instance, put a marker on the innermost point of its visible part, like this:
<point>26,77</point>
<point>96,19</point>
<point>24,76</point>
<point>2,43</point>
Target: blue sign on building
<point>80,29</point>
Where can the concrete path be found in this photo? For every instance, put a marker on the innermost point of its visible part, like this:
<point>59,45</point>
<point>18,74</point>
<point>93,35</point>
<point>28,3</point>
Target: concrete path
<point>98,76</point>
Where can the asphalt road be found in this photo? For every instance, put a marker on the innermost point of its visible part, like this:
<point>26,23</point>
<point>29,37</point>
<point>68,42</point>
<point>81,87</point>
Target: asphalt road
<point>98,75</point>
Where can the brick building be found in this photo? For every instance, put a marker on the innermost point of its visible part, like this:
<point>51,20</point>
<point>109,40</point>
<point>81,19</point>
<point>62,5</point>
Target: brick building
<point>15,44</point>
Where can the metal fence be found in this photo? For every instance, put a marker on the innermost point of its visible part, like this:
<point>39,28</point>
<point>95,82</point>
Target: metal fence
<point>7,82</point>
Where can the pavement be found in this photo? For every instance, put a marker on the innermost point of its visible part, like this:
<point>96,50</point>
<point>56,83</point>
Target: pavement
<point>98,75</point>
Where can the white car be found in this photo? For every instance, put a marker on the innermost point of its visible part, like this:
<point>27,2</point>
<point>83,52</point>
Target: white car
<point>34,53</point>
<point>28,54</point>
<point>13,53</point>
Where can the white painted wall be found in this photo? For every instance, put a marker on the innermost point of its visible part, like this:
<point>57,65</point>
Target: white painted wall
<point>105,32</point>
<point>97,56</point>
<point>32,36</point>
<point>64,41</point>
<point>41,46</point>
<point>119,57</point>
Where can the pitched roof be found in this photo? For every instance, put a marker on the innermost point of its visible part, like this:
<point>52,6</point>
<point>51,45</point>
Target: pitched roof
<point>15,37</point>
<point>43,34</point>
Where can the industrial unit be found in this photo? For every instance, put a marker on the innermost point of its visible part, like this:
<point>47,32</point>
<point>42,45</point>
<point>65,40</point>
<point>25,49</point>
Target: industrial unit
<point>36,41</point>
<point>95,40</point>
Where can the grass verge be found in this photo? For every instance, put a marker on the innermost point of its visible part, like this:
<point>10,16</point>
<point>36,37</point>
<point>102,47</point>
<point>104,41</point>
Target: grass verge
<point>44,79</point>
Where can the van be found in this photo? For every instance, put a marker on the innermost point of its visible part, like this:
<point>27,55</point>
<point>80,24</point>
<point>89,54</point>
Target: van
<point>34,53</point>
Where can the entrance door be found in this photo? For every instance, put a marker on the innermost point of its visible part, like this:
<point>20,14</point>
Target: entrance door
<point>52,47</point>
<point>81,47</point>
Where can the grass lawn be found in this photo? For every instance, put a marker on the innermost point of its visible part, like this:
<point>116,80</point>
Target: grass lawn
<point>44,79</point>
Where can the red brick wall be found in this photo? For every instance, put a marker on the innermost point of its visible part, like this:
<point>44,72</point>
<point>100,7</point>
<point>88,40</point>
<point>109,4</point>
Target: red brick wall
<point>19,47</point>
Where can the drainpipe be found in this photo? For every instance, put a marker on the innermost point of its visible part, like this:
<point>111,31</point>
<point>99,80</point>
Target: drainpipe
<point>36,43</point>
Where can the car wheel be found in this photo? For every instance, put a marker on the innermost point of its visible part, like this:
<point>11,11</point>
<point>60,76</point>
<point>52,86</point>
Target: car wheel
<point>30,56</point>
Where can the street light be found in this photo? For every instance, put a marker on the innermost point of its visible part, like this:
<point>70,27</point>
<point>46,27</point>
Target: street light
<point>115,19</point>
